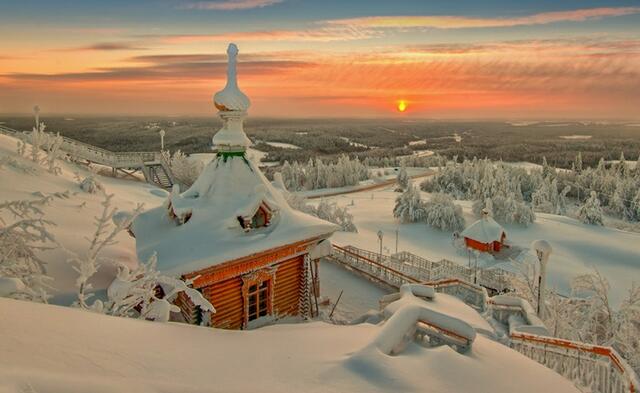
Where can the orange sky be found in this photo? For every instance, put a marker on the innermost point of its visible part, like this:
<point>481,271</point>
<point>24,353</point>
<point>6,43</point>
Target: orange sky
<point>449,67</point>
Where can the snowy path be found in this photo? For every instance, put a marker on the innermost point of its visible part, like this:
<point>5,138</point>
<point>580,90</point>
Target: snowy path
<point>359,296</point>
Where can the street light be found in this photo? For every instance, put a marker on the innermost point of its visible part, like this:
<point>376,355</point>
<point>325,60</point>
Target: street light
<point>36,112</point>
<point>543,250</point>
<point>397,235</point>
<point>380,235</point>
<point>161,132</point>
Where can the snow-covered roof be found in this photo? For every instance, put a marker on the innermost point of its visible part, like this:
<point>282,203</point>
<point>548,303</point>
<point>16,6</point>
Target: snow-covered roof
<point>213,234</point>
<point>485,230</point>
<point>211,226</point>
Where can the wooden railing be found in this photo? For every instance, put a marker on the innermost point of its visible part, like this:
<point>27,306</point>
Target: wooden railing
<point>96,154</point>
<point>594,367</point>
<point>591,367</point>
<point>363,261</point>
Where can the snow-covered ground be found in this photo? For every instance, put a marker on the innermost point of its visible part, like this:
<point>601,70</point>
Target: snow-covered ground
<point>52,349</point>
<point>283,145</point>
<point>578,248</point>
<point>576,136</point>
<point>74,217</point>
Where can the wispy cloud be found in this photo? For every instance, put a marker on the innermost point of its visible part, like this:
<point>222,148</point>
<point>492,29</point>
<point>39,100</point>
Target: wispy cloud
<point>321,34</point>
<point>106,46</point>
<point>229,5</point>
<point>459,22</point>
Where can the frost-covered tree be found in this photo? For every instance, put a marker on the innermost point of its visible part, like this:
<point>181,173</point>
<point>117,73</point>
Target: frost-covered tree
<point>403,178</point>
<point>87,265</point>
<point>185,170</point>
<point>591,211</point>
<point>134,293</point>
<point>91,185</point>
<point>21,240</point>
<point>338,215</point>
<point>319,174</point>
<point>327,211</point>
<point>409,206</point>
<point>440,212</point>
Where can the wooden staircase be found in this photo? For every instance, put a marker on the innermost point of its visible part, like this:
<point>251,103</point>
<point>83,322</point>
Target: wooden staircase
<point>155,168</point>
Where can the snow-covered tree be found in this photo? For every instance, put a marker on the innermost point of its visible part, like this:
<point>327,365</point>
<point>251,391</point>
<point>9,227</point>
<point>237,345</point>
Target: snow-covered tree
<point>21,240</point>
<point>91,185</point>
<point>134,293</point>
<point>184,169</point>
<point>403,178</point>
<point>104,235</point>
<point>591,211</point>
<point>440,212</point>
<point>409,206</point>
<point>338,215</point>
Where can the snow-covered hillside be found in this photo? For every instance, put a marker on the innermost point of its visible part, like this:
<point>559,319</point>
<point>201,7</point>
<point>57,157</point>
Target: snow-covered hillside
<point>52,349</point>
<point>73,217</point>
<point>578,248</point>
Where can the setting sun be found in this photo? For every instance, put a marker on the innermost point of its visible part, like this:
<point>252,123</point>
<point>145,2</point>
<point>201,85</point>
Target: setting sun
<point>402,105</point>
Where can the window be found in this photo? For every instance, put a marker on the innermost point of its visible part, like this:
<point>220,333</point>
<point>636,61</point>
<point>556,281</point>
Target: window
<point>258,300</point>
<point>259,219</point>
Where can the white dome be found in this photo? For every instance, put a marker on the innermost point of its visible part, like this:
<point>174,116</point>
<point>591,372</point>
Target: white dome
<point>231,98</point>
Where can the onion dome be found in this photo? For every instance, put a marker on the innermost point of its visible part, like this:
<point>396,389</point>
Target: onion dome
<point>232,104</point>
<point>231,98</point>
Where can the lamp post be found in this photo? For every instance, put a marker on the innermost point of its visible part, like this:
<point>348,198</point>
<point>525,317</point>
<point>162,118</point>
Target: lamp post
<point>543,250</point>
<point>36,112</point>
<point>161,132</point>
<point>380,235</point>
<point>397,236</point>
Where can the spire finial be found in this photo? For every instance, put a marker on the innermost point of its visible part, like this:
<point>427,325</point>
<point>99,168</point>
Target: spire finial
<point>232,104</point>
<point>232,53</point>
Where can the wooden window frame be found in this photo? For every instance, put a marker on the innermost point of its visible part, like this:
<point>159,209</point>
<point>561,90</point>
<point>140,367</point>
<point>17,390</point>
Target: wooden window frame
<point>257,279</point>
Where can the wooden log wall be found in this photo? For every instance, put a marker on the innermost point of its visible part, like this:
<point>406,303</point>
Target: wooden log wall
<point>226,296</point>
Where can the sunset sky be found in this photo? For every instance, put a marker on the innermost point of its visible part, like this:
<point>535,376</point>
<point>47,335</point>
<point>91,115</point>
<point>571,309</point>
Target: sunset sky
<point>452,59</point>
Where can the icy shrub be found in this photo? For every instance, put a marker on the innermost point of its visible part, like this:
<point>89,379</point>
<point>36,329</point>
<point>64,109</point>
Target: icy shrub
<point>409,206</point>
<point>591,211</point>
<point>443,214</point>
<point>22,272</point>
<point>184,169</point>
<point>402,179</point>
<point>91,185</point>
<point>327,211</point>
<point>337,215</point>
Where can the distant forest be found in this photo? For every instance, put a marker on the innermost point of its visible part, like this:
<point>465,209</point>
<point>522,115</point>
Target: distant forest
<point>559,142</point>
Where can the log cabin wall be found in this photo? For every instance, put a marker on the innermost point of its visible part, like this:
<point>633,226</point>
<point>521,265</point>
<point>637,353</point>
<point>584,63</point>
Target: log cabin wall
<point>228,300</point>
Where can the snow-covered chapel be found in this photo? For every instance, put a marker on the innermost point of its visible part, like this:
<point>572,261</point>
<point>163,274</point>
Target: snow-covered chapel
<point>249,253</point>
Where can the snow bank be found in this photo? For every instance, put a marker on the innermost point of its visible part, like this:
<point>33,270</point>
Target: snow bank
<point>51,349</point>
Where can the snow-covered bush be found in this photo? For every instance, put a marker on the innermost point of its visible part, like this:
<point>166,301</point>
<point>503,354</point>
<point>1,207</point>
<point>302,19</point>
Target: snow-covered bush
<point>87,265</point>
<point>402,179</point>
<point>591,211</point>
<point>184,169</point>
<point>133,293</point>
<point>20,243</point>
<point>318,174</point>
<point>327,211</point>
<point>337,215</point>
<point>441,213</point>
<point>91,185</point>
<point>44,148</point>
<point>409,206</point>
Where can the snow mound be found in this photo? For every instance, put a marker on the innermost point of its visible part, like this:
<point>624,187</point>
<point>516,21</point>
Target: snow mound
<point>52,349</point>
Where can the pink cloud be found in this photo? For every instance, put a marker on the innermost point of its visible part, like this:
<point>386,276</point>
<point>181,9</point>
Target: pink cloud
<point>229,5</point>
<point>457,22</point>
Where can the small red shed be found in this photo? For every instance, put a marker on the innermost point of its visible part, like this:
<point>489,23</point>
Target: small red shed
<point>485,235</point>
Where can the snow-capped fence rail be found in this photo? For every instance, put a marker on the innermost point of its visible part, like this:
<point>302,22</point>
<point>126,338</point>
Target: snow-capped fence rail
<point>365,262</point>
<point>150,163</point>
<point>592,367</point>
<point>497,280</point>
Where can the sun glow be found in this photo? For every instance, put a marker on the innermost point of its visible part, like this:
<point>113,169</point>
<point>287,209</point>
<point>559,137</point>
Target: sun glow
<point>402,106</point>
